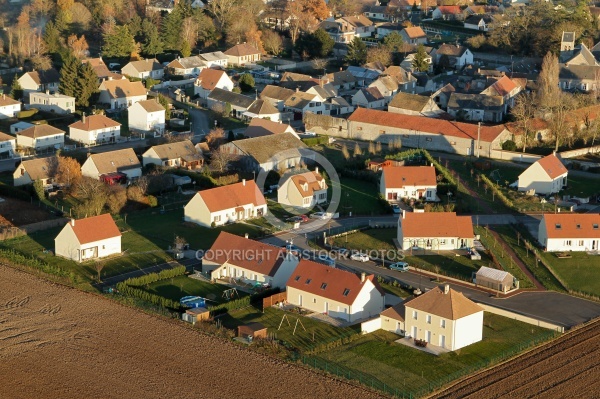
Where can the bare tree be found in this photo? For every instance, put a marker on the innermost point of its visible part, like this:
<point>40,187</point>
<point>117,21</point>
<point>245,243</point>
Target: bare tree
<point>345,152</point>
<point>558,122</point>
<point>215,137</point>
<point>272,42</point>
<point>523,111</point>
<point>357,150</point>
<point>98,266</point>
<point>548,90</point>
<point>220,160</point>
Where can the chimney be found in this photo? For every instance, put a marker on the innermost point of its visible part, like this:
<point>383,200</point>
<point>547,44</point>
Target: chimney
<point>317,170</point>
<point>244,182</point>
<point>246,235</point>
<point>72,222</point>
<point>363,277</point>
<point>446,289</point>
<point>48,92</point>
<point>83,118</point>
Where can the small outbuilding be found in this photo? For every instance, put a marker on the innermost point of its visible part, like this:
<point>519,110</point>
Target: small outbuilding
<point>195,315</point>
<point>252,331</point>
<point>495,279</point>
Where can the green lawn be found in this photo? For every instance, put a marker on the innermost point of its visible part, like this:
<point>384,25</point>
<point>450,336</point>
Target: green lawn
<point>581,272</point>
<point>178,287</point>
<point>368,240</point>
<point>537,269</point>
<point>361,198</point>
<point>408,369</point>
<point>505,261</point>
<point>271,318</point>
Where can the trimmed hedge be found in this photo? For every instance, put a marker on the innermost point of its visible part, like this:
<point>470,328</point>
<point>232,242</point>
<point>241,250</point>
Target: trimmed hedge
<point>314,141</point>
<point>126,290</point>
<point>13,192</point>
<point>154,277</point>
<point>497,191</point>
<point>23,260</point>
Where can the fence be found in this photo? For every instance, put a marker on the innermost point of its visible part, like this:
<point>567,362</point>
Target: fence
<point>274,299</point>
<point>514,156</point>
<point>12,232</point>
<point>371,381</point>
<point>521,317</point>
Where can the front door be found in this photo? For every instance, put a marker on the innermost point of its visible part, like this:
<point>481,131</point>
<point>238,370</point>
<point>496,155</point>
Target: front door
<point>428,336</point>
<point>443,341</point>
<point>414,331</point>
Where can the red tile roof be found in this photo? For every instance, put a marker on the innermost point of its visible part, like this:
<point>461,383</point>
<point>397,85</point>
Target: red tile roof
<point>401,176</point>
<point>311,179</point>
<point>209,78</point>
<point>425,125</point>
<point>246,253</point>
<point>94,122</point>
<point>452,305</point>
<point>572,225</point>
<point>504,86</point>
<point>95,228</point>
<point>232,196</point>
<point>453,10</point>
<point>436,224</point>
<point>552,166</point>
<point>414,32</point>
<point>311,277</point>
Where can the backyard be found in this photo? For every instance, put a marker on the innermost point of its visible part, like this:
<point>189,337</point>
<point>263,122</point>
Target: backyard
<point>408,369</point>
<point>580,272</point>
<point>308,334</point>
<point>177,287</point>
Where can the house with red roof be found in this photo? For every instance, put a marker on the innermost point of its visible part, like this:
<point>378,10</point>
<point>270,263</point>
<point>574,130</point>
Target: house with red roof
<point>90,238</point>
<point>226,204</point>
<point>442,317</point>
<point>506,88</point>
<point>412,182</point>
<point>435,231</point>
<point>334,292</point>
<point>210,79</point>
<point>241,260</point>
<point>428,133</point>
<point>303,190</point>
<point>570,232</point>
<point>547,175</point>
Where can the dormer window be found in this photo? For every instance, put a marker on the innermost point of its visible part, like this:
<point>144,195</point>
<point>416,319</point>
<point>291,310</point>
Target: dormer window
<point>308,281</point>
<point>297,278</point>
<point>323,286</point>
<point>346,292</point>
<point>595,226</point>
<point>558,226</point>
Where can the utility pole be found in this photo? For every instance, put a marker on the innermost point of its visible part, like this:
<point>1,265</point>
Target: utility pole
<point>478,137</point>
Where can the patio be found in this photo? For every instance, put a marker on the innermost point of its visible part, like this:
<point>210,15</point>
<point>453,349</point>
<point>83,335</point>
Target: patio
<point>434,350</point>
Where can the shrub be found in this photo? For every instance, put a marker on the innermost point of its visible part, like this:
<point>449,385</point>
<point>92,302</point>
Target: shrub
<point>152,201</point>
<point>10,191</point>
<point>246,82</point>
<point>154,277</point>
<point>509,145</point>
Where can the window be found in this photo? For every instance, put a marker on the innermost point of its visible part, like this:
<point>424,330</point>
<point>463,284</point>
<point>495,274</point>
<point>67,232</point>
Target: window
<point>217,218</point>
<point>568,243</point>
<point>443,323</point>
<point>415,314</point>
<point>428,139</point>
<point>443,242</point>
<point>428,319</point>
<point>578,226</point>
<point>382,132</point>
<point>359,128</point>
<point>558,226</point>
<point>323,286</point>
<point>595,226</point>
<point>314,300</point>
<point>581,243</point>
<point>297,278</point>
<point>346,292</point>
<point>308,281</point>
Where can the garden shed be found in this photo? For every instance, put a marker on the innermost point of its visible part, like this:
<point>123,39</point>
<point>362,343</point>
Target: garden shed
<point>498,280</point>
<point>195,314</point>
<point>254,330</point>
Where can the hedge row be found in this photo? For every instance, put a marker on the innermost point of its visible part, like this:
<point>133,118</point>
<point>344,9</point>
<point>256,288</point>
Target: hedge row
<point>313,141</point>
<point>497,191</point>
<point>154,277</point>
<point>443,170</point>
<point>23,260</point>
<point>13,192</point>
<point>242,302</point>
<point>126,290</point>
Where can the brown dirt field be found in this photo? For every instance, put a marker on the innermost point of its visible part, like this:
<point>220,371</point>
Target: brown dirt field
<point>57,342</point>
<point>568,367</point>
<point>14,212</point>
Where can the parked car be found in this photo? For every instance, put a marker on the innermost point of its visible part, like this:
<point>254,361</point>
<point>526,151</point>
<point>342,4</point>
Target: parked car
<point>326,259</point>
<point>399,266</point>
<point>360,257</point>
<point>319,215</point>
<point>304,218</point>
<point>294,219</point>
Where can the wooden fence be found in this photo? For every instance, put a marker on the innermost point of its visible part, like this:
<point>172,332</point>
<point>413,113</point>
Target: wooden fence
<point>274,299</point>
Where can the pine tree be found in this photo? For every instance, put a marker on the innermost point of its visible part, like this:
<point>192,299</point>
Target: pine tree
<point>52,38</point>
<point>16,91</point>
<point>69,76</point>
<point>118,43</point>
<point>87,84</point>
<point>171,30</point>
<point>186,50</point>
<point>152,44</point>
<point>420,62</point>
<point>357,52</point>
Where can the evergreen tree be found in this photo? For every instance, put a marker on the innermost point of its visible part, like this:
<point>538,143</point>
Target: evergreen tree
<point>16,91</point>
<point>315,45</point>
<point>394,42</point>
<point>87,84</point>
<point>152,43</point>
<point>357,52</point>
<point>246,82</point>
<point>171,29</point>
<point>119,43</point>
<point>164,101</point>
<point>68,83</point>
<point>186,50</point>
<point>52,38</point>
<point>420,62</point>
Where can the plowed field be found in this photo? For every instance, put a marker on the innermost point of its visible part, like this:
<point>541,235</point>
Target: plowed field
<point>568,367</point>
<point>57,342</point>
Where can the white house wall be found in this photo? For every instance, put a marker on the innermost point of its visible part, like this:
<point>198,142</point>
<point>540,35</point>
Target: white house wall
<point>468,330</point>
